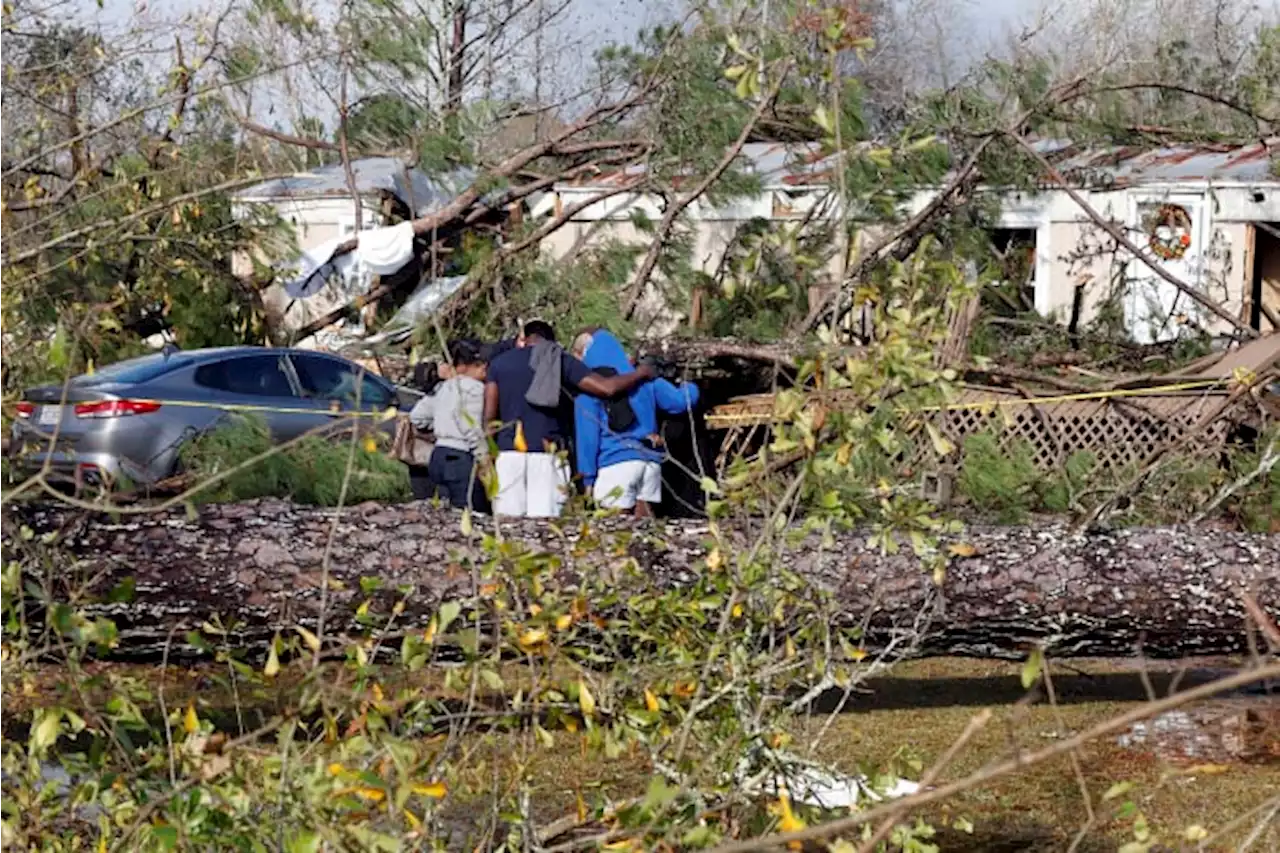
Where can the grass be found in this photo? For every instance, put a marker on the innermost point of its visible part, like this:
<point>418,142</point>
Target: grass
<point>921,706</point>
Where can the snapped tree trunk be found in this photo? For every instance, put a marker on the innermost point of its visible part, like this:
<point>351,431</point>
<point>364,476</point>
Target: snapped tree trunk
<point>1164,592</point>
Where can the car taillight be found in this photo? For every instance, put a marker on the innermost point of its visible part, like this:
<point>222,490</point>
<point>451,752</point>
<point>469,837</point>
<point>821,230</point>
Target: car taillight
<point>115,408</point>
<point>25,409</point>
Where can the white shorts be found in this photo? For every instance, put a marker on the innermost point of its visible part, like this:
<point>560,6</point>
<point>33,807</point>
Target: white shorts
<point>619,486</point>
<point>531,484</point>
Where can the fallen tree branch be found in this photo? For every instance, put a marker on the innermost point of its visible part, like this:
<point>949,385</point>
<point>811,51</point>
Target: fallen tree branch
<point>897,808</point>
<point>673,211</point>
<point>904,240</point>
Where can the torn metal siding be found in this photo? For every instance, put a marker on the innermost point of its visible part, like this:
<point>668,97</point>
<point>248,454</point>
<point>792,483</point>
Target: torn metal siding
<point>798,165</point>
<point>420,192</point>
<point>1129,166</point>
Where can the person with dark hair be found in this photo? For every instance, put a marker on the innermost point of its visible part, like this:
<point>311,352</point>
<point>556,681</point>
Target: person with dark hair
<point>525,392</point>
<point>455,413</point>
<point>419,445</point>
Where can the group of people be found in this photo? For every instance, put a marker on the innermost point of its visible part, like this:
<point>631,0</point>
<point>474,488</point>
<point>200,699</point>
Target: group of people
<point>588,415</point>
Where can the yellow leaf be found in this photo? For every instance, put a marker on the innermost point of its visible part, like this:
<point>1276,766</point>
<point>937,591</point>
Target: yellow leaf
<point>1195,832</point>
<point>715,560</point>
<point>377,692</point>
<point>429,635</point>
<point>414,823</point>
<point>312,641</point>
<point>370,445</point>
<point>788,822</point>
<point>535,609</point>
<point>190,722</point>
<point>941,445</point>
<point>790,648</point>
<point>684,689</point>
<point>563,621</point>
<point>858,654</point>
<point>570,724</point>
<point>375,795</point>
<point>844,454</point>
<point>961,549</point>
<point>651,701</point>
<point>586,701</point>
<point>336,769</point>
<point>532,639</point>
<point>737,611</point>
<point>1206,770</point>
<point>434,790</point>
<point>272,668</point>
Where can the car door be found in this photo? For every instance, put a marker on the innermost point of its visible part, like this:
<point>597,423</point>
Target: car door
<point>339,386</point>
<point>263,385</point>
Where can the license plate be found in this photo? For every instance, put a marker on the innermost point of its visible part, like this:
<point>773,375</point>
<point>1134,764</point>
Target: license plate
<point>50,415</point>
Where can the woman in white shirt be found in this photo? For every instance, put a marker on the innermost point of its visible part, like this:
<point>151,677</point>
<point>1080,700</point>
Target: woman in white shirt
<point>455,414</point>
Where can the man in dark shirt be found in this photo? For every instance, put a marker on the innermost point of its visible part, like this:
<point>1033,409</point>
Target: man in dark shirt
<point>533,473</point>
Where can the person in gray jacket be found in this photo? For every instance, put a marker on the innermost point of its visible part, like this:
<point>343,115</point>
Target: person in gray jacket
<point>455,414</point>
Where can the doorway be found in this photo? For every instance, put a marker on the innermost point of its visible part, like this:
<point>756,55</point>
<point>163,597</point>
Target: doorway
<point>1264,286</point>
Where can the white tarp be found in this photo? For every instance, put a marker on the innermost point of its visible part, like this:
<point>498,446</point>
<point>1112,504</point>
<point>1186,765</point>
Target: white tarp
<point>379,251</point>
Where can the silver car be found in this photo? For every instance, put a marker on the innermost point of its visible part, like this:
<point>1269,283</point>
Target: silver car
<point>131,419</point>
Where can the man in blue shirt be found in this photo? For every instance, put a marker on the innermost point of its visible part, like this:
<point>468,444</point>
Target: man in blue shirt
<point>617,441</point>
<point>533,475</point>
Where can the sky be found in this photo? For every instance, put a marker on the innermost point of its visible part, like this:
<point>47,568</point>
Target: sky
<point>586,25</point>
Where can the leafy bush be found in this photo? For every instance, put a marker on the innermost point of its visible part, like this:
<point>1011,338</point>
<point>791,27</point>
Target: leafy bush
<point>996,481</point>
<point>310,471</point>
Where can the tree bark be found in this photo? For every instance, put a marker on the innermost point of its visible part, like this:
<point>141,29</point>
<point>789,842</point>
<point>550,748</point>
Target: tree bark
<point>1164,592</point>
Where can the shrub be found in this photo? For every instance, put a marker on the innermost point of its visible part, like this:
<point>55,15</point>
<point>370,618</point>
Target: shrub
<point>310,471</point>
<point>998,481</point>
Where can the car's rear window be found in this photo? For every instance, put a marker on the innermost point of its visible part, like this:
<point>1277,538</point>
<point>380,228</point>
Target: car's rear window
<point>132,371</point>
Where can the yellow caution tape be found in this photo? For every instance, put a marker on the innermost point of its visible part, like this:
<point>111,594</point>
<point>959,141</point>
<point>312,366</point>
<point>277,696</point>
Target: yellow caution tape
<point>334,410</point>
<point>1016,401</point>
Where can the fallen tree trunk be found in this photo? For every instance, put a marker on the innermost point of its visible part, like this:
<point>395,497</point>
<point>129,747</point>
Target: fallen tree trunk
<point>1164,592</point>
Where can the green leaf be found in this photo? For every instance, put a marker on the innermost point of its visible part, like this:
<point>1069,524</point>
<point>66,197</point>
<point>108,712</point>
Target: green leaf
<point>166,836</point>
<point>733,72</point>
<point>1119,789</point>
<point>46,729</point>
<point>123,592</point>
<point>710,486</point>
<point>307,841</point>
<point>822,118</point>
<point>1031,669</point>
<point>449,611</point>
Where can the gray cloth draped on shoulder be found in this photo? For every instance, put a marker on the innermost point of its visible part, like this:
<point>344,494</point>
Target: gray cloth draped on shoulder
<point>546,361</point>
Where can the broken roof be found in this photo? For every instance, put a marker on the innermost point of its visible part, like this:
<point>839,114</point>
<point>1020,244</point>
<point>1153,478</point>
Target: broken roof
<point>1128,165</point>
<point>421,192</point>
<point>795,165</point>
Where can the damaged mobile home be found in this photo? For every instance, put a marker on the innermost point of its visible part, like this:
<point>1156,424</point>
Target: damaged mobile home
<point>1208,215</point>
